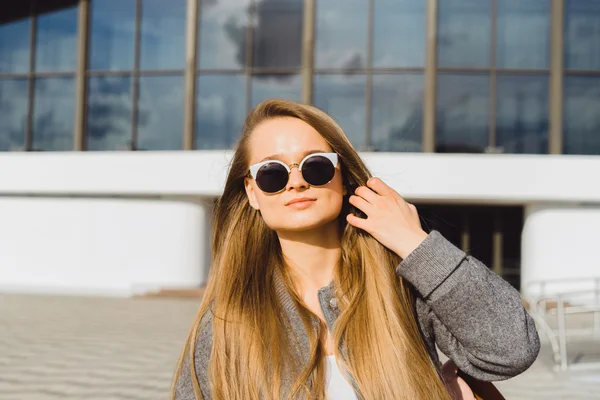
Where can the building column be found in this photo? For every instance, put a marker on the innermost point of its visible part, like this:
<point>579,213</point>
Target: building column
<point>206,225</point>
<point>191,57</point>
<point>559,248</point>
<point>555,139</point>
<point>429,96</point>
<point>308,41</point>
<point>83,18</point>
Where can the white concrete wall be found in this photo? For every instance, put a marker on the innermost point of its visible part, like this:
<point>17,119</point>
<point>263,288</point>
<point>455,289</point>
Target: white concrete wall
<point>561,247</point>
<point>101,246</point>
<point>74,236</point>
<point>489,178</point>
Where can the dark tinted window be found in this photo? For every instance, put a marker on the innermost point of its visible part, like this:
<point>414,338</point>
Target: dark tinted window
<point>13,114</point>
<point>220,110</point>
<point>343,97</point>
<point>54,108</point>
<point>462,113</point>
<point>109,113</point>
<point>397,112</point>
<point>112,34</point>
<point>160,113</point>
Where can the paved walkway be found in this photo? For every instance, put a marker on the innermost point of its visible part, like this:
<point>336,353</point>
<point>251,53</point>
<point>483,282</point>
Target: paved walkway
<point>54,347</point>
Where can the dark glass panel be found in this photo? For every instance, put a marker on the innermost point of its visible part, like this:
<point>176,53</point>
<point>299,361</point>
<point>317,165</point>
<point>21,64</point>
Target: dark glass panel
<point>277,34</point>
<point>53,113</point>
<point>481,227</point>
<point>13,114</point>
<point>275,86</point>
<point>14,46</point>
<point>523,34</point>
<point>109,113</point>
<point>160,114</point>
<point>582,115</point>
<point>399,33</point>
<point>162,41</point>
<point>397,112</point>
<point>341,34</point>
<point>343,97</point>
<point>462,113</point>
<point>56,41</point>
<point>464,33</point>
<point>223,32</point>
<point>522,113</point>
<point>220,110</point>
<point>112,34</point>
<point>511,221</point>
<point>582,34</point>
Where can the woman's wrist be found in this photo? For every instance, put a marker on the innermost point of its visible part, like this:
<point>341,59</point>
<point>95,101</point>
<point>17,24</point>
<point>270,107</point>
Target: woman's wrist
<point>410,243</point>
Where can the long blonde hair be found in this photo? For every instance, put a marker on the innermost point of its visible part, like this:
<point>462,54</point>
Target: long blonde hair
<point>251,355</point>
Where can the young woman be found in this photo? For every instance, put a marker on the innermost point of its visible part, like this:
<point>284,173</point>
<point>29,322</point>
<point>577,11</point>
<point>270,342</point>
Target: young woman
<point>324,285</point>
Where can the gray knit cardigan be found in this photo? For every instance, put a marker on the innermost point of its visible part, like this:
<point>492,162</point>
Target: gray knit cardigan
<point>473,316</point>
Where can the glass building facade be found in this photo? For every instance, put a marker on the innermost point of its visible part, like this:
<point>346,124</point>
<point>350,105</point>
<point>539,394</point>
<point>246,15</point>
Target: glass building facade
<point>476,76</point>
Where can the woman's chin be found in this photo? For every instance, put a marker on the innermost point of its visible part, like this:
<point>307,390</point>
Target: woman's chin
<point>300,223</point>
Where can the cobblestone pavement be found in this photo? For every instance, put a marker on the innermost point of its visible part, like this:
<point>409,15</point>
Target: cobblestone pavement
<point>57,347</point>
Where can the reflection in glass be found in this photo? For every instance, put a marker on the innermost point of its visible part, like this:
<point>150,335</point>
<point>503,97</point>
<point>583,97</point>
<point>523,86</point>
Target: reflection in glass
<point>14,46</point>
<point>53,114</point>
<point>160,114</point>
<point>112,34</point>
<point>399,33</point>
<point>464,33</point>
<point>582,115</point>
<point>522,113</point>
<point>220,110</point>
<point>162,41</point>
<point>222,34</point>
<point>582,34</point>
<point>341,34</point>
<point>13,112</point>
<point>56,41</point>
<point>462,113</point>
<point>109,113</point>
<point>343,97</point>
<point>397,112</point>
<point>523,34</point>
<point>278,34</point>
<point>275,86</point>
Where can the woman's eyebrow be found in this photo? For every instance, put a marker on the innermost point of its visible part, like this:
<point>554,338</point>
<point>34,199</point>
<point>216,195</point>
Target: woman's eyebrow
<point>279,156</point>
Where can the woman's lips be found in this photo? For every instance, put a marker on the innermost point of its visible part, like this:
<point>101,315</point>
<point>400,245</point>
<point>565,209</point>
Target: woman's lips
<point>301,204</point>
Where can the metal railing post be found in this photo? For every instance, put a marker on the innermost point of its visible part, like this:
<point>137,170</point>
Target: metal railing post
<point>596,329</point>
<point>562,334</point>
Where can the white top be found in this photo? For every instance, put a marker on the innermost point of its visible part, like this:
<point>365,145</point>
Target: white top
<point>337,387</point>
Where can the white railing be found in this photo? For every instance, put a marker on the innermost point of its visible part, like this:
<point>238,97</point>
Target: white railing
<point>553,307</point>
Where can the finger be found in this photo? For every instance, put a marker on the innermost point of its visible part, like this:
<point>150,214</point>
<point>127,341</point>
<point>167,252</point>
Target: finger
<point>381,188</point>
<point>356,221</point>
<point>360,203</point>
<point>412,208</point>
<point>367,194</point>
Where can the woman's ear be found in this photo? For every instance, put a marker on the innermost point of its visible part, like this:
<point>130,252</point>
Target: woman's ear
<point>249,186</point>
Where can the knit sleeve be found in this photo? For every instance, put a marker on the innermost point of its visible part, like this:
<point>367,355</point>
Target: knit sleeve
<point>476,318</point>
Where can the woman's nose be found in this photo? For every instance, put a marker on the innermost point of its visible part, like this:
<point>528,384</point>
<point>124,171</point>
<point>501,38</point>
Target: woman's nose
<point>296,180</point>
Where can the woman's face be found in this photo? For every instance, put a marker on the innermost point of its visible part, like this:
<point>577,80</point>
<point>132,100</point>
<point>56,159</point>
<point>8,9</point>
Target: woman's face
<point>290,140</point>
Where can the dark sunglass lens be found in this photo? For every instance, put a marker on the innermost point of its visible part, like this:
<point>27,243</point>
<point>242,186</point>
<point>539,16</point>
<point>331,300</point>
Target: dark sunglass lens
<point>318,170</point>
<point>272,177</point>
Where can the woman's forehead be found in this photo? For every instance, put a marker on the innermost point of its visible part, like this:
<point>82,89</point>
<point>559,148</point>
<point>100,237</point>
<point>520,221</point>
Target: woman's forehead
<point>285,139</point>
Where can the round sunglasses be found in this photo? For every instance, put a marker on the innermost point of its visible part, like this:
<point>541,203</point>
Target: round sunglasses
<point>272,176</point>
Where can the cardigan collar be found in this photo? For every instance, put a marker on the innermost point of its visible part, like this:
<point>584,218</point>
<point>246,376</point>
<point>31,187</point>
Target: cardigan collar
<point>329,307</point>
